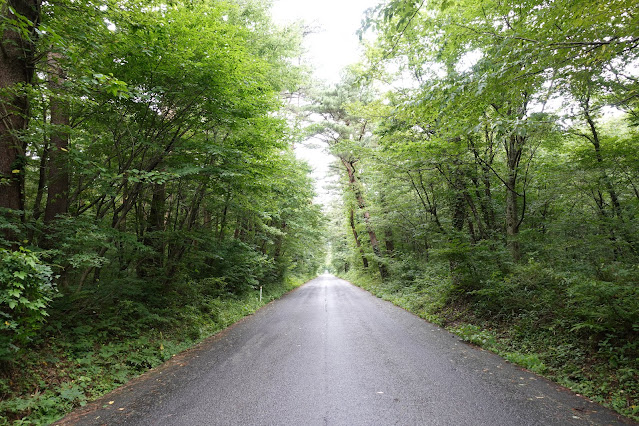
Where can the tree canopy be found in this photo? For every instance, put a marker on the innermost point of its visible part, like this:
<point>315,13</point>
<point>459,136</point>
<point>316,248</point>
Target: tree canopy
<point>145,158</point>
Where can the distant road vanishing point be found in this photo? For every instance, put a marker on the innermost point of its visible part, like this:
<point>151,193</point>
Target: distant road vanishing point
<point>330,353</point>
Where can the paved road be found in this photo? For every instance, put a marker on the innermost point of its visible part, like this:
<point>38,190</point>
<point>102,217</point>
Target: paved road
<point>330,353</point>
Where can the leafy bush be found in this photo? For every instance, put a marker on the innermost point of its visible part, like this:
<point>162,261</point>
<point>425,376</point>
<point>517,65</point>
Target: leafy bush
<point>471,264</point>
<point>241,267</point>
<point>26,288</point>
<point>531,292</point>
<point>607,306</point>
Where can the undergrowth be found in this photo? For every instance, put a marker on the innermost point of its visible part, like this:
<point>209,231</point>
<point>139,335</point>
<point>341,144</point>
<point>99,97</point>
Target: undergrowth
<point>71,365</point>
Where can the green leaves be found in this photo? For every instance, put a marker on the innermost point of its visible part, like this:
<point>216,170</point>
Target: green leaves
<point>180,170</point>
<point>25,292</point>
<point>20,274</point>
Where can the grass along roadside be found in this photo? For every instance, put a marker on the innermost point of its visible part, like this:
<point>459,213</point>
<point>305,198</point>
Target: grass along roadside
<point>606,372</point>
<point>74,365</point>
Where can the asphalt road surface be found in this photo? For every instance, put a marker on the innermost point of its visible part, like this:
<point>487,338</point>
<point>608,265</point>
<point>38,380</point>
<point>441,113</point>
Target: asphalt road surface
<point>330,353</point>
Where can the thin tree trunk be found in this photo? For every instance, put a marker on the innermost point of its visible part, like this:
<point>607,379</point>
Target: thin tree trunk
<point>487,204</point>
<point>614,199</point>
<point>429,206</point>
<point>227,201</point>
<point>42,180</point>
<point>476,216</point>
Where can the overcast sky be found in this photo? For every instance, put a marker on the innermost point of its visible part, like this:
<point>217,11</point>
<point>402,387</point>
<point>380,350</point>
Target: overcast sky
<point>336,44</point>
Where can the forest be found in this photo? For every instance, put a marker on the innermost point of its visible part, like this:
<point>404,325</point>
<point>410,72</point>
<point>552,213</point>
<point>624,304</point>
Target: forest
<point>149,188</point>
<point>488,181</point>
<point>488,160</point>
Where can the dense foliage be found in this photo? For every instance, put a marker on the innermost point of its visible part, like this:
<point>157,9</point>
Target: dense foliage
<point>490,163</point>
<point>147,182</point>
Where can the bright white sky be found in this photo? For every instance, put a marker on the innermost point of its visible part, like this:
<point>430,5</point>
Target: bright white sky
<point>334,46</point>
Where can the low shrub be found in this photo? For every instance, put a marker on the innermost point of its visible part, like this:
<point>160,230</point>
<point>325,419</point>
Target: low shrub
<point>26,288</point>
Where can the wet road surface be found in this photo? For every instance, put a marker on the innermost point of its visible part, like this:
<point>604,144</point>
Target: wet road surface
<point>330,353</point>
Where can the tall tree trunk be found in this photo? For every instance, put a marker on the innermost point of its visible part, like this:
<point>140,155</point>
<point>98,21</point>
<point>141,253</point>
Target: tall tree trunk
<point>279,241</point>
<point>389,243</point>
<point>225,211</point>
<point>207,220</point>
<point>476,216</point>
<point>154,225</point>
<point>356,237</point>
<point>458,221</point>
<point>350,169</point>
<point>57,165</point>
<point>612,193</point>
<point>486,165</point>
<point>487,202</point>
<point>430,207</point>
<point>17,50</point>
<point>512,216</point>
<point>58,188</point>
<point>596,142</point>
<point>514,149</point>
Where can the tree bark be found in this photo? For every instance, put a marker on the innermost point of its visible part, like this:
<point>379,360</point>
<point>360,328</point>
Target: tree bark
<point>514,148</point>
<point>614,199</point>
<point>458,221</point>
<point>58,188</point>
<point>429,207</point>
<point>42,181</point>
<point>389,242</point>
<point>16,69</point>
<point>279,242</point>
<point>227,202</point>
<point>350,169</point>
<point>154,225</point>
<point>356,237</point>
<point>512,215</point>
